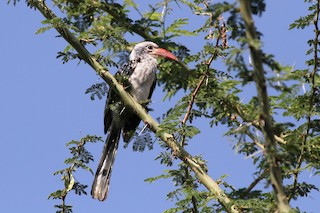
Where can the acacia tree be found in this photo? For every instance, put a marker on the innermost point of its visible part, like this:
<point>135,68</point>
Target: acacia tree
<point>228,34</point>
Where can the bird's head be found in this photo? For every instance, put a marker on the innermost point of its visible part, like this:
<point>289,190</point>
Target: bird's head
<point>148,48</point>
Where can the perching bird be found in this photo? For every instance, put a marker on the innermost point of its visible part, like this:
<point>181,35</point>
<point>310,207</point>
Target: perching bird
<point>140,72</point>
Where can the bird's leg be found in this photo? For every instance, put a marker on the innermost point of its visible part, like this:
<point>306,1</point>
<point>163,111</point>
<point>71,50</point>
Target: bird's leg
<point>145,104</point>
<point>127,87</point>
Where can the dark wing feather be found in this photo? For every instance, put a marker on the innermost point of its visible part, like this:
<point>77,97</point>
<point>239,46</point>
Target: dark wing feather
<point>100,185</point>
<point>101,181</point>
<point>133,122</point>
<point>152,87</point>
<point>125,71</point>
<point>108,117</point>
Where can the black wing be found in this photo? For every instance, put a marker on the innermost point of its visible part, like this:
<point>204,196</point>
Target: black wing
<point>133,120</point>
<point>112,98</point>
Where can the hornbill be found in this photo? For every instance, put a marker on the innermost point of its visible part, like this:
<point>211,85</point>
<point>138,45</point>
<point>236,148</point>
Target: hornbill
<point>140,73</point>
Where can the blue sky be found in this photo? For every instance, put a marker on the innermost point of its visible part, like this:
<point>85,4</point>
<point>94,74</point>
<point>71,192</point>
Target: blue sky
<point>44,106</point>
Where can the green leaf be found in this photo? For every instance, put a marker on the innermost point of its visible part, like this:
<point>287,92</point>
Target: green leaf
<point>162,176</point>
<point>70,183</point>
<point>43,29</point>
<point>175,28</point>
<point>131,3</point>
<point>57,194</point>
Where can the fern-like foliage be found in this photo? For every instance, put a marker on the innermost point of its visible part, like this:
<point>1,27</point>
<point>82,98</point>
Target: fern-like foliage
<point>98,90</point>
<point>80,158</point>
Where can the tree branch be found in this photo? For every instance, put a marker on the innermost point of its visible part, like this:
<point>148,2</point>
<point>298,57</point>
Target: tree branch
<point>255,182</point>
<point>181,153</point>
<point>267,128</point>
<point>193,96</point>
<point>312,98</point>
<point>194,203</point>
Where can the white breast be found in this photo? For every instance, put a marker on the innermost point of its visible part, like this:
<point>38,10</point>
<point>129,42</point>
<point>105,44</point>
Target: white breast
<point>142,79</point>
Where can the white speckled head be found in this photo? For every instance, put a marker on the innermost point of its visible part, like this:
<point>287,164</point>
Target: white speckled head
<point>149,49</point>
<point>141,50</point>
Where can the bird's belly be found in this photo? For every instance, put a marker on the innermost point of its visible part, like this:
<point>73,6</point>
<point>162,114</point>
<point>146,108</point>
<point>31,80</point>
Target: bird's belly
<point>140,88</point>
<point>142,79</point>
<point>141,92</point>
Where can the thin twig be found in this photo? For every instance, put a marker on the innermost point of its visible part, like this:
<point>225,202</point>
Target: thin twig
<point>193,96</point>
<point>255,182</point>
<point>261,146</point>
<point>63,203</point>
<point>194,203</point>
<point>221,35</point>
<point>191,102</point>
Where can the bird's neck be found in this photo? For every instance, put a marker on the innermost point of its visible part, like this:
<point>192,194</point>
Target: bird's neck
<point>143,77</point>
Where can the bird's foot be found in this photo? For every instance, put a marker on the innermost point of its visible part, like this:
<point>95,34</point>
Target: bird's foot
<point>145,103</point>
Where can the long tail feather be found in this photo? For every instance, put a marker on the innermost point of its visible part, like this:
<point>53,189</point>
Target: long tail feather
<point>102,177</point>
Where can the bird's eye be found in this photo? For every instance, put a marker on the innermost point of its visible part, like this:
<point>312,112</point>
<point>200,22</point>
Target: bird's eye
<point>150,47</point>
